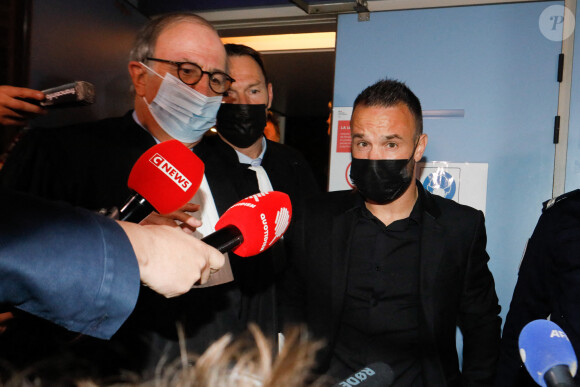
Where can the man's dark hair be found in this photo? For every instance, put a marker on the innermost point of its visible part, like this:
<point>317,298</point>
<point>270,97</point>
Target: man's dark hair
<point>241,50</point>
<point>387,93</point>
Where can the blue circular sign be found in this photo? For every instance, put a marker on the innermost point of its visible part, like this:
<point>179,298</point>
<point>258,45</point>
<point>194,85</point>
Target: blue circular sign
<point>440,183</point>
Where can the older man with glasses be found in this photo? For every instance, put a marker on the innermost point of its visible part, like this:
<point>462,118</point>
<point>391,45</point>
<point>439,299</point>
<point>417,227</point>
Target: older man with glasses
<point>179,73</point>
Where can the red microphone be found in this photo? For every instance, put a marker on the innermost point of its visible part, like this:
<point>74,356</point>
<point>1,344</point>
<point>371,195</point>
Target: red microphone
<point>164,178</point>
<point>253,224</point>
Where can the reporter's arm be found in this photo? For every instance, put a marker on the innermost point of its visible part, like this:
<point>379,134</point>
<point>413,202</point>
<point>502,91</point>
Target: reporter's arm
<point>67,265</point>
<point>171,261</point>
<point>82,270</point>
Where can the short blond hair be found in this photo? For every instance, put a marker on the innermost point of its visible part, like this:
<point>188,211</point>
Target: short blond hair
<point>248,361</point>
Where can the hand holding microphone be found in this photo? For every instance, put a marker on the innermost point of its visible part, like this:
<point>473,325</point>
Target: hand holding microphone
<point>78,93</point>
<point>170,261</point>
<point>253,224</point>
<point>14,108</point>
<point>19,104</point>
<point>164,179</point>
<point>181,217</point>
<point>547,354</point>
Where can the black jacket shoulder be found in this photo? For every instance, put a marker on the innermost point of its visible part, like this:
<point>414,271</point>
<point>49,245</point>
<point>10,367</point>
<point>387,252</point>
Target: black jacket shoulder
<point>571,198</point>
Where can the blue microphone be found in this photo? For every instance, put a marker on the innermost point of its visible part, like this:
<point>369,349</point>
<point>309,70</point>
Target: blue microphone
<point>378,374</point>
<point>547,354</point>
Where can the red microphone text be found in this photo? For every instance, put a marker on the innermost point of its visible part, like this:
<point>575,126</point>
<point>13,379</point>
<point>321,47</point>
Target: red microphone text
<point>171,172</point>
<point>266,233</point>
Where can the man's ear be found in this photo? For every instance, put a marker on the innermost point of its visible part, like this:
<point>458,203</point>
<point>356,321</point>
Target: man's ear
<point>270,95</point>
<point>139,77</point>
<point>421,145</point>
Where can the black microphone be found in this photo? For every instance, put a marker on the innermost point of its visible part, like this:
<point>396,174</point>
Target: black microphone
<point>377,374</point>
<point>79,93</point>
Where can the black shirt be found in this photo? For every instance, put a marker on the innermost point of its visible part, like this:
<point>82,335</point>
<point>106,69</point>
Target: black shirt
<point>380,319</point>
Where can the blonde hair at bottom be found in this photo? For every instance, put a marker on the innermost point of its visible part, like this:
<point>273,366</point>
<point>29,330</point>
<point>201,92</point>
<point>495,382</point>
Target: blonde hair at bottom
<point>248,361</point>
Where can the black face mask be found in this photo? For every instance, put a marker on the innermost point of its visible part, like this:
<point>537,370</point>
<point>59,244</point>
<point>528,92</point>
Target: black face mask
<point>382,181</point>
<point>241,125</point>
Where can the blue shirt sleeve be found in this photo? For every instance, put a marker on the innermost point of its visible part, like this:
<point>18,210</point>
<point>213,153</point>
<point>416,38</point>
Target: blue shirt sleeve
<point>67,265</point>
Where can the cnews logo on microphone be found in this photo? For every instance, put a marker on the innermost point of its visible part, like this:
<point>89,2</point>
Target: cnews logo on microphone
<point>171,172</point>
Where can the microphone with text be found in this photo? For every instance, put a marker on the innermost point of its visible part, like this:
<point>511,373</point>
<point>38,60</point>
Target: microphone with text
<point>79,93</point>
<point>547,354</point>
<point>252,225</point>
<point>164,179</point>
<point>378,374</point>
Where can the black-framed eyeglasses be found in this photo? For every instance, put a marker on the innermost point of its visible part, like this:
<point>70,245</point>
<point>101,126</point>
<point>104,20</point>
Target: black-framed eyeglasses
<point>191,73</point>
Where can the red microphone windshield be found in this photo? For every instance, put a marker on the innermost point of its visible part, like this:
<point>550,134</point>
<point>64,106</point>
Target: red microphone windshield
<point>167,175</point>
<point>262,219</point>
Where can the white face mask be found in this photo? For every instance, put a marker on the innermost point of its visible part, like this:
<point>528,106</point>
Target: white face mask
<point>182,112</point>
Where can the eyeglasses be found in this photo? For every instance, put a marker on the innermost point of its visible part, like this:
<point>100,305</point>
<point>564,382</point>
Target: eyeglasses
<point>191,73</point>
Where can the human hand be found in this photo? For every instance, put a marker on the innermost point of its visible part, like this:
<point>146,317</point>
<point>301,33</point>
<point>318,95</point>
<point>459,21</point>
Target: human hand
<point>14,111</point>
<point>170,261</point>
<point>181,218</point>
<point>5,317</point>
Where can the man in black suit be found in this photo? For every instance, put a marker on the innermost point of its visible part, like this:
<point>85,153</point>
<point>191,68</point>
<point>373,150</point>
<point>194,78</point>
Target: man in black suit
<point>178,69</point>
<point>88,165</point>
<point>386,272</point>
<point>548,285</point>
<point>240,162</point>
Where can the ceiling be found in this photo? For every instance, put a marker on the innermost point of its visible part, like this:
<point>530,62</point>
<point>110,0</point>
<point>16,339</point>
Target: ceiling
<point>154,7</point>
<point>219,10</point>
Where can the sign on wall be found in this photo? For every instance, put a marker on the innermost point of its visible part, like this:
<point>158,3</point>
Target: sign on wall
<point>338,178</point>
<point>465,183</point>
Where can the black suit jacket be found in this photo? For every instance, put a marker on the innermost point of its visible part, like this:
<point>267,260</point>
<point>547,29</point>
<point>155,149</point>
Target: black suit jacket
<point>86,164</point>
<point>456,286</point>
<point>548,285</point>
<point>230,182</point>
<point>209,313</point>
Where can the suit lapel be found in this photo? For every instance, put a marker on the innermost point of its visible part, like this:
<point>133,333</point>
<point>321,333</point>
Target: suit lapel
<point>342,230</point>
<point>221,170</point>
<point>432,246</point>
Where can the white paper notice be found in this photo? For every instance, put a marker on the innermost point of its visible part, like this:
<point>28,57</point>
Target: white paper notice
<point>465,183</point>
